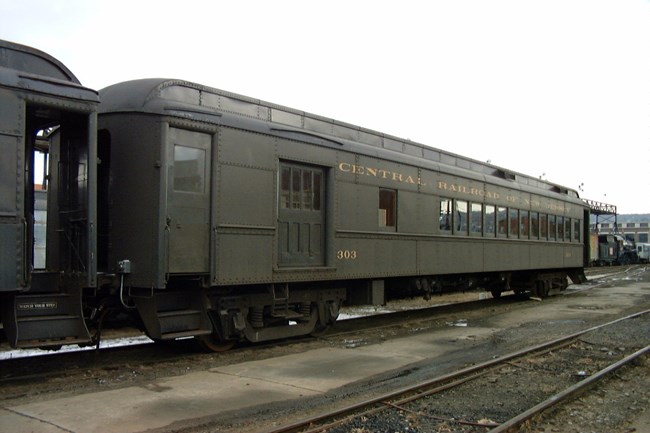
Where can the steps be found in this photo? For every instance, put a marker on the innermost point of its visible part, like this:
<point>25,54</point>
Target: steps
<point>45,319</point>
<point>168,315</point>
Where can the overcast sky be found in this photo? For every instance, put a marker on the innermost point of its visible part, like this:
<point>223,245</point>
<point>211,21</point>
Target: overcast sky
<point>552,88</point>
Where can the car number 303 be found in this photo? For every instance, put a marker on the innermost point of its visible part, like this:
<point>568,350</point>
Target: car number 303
<point>346,254</point>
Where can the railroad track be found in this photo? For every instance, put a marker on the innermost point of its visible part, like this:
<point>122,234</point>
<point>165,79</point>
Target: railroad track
<point>67,364</point>
<point>408,402</point>
<point>137,339</point>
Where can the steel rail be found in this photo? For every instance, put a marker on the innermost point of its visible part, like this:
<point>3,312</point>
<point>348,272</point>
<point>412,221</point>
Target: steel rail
<point>108,343</point>
<point>563,395</point>
<point>440,383</point>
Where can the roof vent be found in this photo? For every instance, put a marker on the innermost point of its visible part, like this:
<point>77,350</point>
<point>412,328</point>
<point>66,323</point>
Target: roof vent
<point>504,174</point>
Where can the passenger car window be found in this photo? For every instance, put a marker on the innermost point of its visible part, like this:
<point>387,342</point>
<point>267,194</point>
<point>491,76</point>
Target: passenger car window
<point>543,226</point>
<point>460,218</point>
<point>387,208</point>
<point>285,188</point>
<point>524,224</point>
<point>502,221</point>
<point>534,225</point>
<point>189,169</point>
<point>514,223</point>
<point>552,229</point>
<point>300,188</point>
<point>476,218</point>
<point>490,218</point>
<point>445,214</point>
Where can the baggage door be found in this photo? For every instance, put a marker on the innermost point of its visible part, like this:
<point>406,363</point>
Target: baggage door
<point>301,216</point>
<point>188,201</point>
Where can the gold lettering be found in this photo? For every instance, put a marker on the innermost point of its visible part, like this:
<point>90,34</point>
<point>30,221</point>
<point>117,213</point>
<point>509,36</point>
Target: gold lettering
<point>361,170</point>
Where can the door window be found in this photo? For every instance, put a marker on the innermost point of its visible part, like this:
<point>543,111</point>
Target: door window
<point>301,218</point>
<point>189,169</point>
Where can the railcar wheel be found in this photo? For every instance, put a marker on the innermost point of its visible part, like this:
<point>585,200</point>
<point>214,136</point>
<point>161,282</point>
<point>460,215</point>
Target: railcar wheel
<point>214,343</point>
<point>521,294</point>
<point>496,294</point>
<point>319,330</point>
<point>328,313</point>
<point>542,288</point>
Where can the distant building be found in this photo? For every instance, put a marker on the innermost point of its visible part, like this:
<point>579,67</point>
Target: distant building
<point>639,232</point>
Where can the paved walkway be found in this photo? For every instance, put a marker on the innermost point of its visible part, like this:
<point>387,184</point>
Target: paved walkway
<point>200,394</point>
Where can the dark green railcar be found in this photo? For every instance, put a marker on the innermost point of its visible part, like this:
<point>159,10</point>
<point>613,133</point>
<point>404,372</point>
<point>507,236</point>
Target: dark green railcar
<point>229,218</point>
<point>44,109</point>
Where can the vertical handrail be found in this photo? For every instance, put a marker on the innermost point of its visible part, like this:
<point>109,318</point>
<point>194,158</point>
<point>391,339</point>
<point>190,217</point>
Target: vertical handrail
<point>24,255</point>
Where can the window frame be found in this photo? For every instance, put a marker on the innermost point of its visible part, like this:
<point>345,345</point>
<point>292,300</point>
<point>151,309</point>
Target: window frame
<point>552,227</point>
<point>489,220</point>
<point>181,182</point>
<point>445,214</point>
<point>387,209</point>
<point>295,194</point>
<point>513,223</point>
<point>524,224</point>
<point>502,222</point>
<point>534,225</point>
<point>543,226</point>
<point>475,219</point>
<point>460,217</point>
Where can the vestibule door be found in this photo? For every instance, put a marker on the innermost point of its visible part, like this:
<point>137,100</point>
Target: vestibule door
<point>188,201</point>
<point>301,215</point>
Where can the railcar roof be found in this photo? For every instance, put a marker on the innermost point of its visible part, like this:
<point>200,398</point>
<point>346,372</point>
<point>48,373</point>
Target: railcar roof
<point>26,68</point>
<point>33,61</point>
<point>172,97</point>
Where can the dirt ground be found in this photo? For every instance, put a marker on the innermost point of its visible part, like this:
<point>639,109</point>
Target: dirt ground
<point>619,404</point>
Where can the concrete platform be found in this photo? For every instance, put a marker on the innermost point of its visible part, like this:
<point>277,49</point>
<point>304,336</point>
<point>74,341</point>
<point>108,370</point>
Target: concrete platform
<point>201,394</point>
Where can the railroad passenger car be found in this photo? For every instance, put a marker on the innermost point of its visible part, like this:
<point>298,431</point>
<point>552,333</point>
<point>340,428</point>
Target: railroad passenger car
<point>213,215</point>
<point>44,108</point>
<point>228,218</point>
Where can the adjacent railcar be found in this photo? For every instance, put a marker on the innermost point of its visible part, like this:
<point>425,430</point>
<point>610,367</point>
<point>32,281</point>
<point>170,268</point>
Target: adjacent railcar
<point>44,109</point>
<point>643,251</point>
<point>228,218</point>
